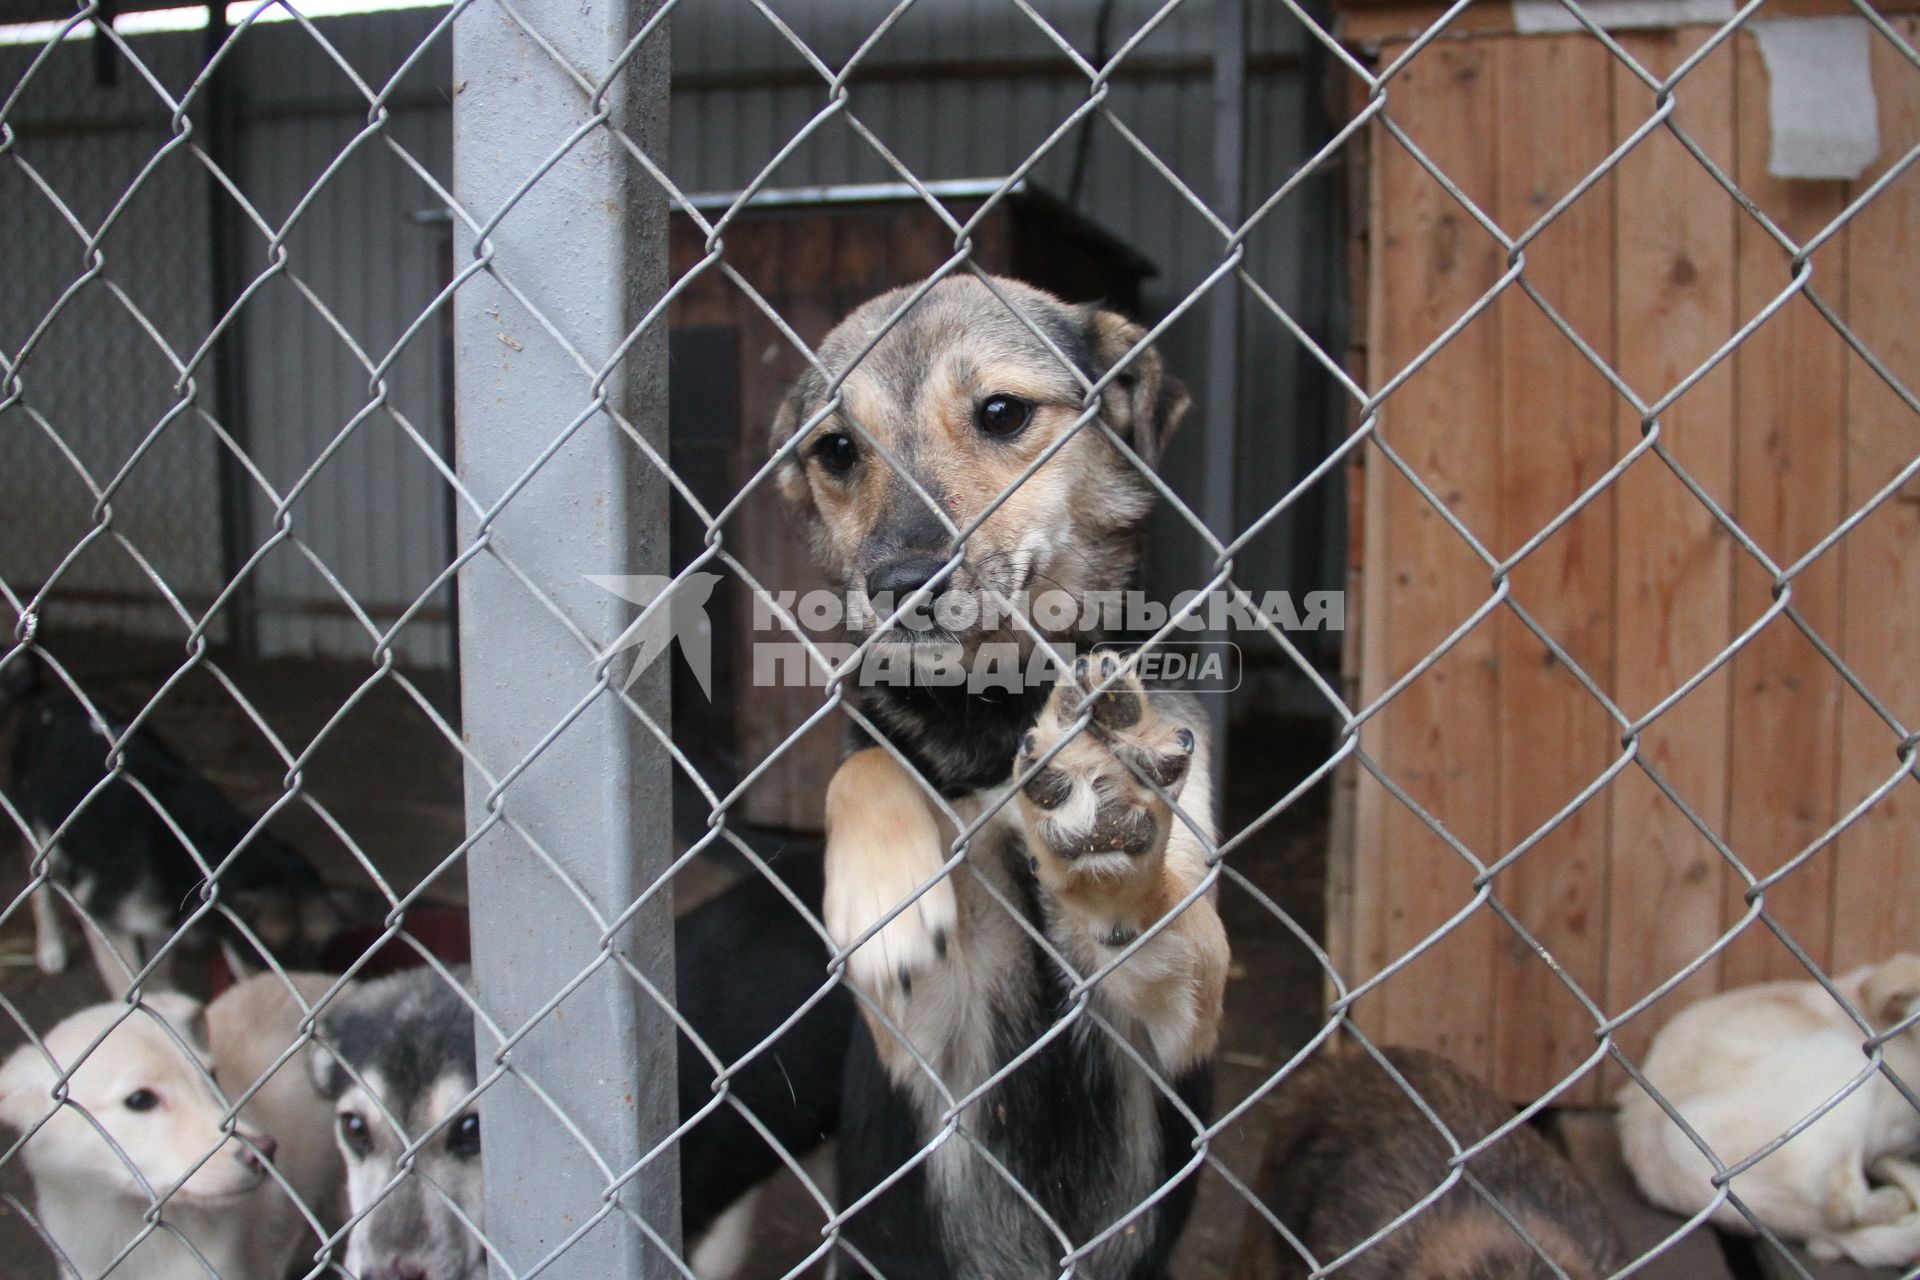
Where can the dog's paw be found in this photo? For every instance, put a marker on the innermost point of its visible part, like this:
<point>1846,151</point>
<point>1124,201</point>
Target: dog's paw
<point>1090,814</point>
<point>884,845</point>
<point>875,881</point>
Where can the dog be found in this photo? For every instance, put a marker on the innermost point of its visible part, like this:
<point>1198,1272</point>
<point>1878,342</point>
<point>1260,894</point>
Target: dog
<point>403,1046</point>
<point>954,402</point>
<point>147,1088</point>
<point>118,849</point>
<point>1744,1067</point>
<point>1350,1152</point>
<point>250,1026</point>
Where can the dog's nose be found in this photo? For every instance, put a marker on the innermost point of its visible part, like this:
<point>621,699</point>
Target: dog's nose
<point>904,577</point>
<point>401,1269</point>
<point>263,1145</point>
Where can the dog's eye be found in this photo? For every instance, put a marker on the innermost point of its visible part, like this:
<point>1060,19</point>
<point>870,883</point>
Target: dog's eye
<point>353,1132</point>
<point>142,1100</point>
<point>836,452</point>
<point>465,1138</point>
<point>1003,415</point>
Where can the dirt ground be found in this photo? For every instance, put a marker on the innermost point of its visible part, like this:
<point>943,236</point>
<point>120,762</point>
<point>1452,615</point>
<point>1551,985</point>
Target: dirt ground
<point>379,804</point>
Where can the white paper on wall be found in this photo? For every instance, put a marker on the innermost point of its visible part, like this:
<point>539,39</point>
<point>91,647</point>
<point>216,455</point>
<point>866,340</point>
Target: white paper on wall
<point>1826,123</point>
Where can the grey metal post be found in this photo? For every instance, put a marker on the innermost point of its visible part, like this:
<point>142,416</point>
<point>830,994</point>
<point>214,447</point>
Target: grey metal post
<point>1222,435</point>
<point>586,245</point>
<point>218,124</point>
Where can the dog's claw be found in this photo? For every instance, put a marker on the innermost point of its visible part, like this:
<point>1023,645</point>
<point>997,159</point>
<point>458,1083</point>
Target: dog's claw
<point>1120,706</point>
<point>1164,768</point>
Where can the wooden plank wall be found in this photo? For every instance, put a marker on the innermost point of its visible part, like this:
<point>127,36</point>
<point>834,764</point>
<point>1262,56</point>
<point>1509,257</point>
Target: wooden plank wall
<point>1655,267</point>
<point>1876,904</point>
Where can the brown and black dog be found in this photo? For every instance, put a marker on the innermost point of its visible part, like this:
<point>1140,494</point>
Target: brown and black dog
<point>1350,1152</point>
<point>1067,1114</point>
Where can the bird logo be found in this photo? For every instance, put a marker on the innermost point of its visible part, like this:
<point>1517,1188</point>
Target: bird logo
<point>671,609</point>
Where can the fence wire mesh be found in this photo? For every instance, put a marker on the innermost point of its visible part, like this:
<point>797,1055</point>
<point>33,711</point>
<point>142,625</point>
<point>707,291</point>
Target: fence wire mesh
<point>313,1125</point>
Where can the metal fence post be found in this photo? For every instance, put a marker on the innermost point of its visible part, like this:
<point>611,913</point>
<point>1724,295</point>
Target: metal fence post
<point>238,534</point>
<point>576,813</point>
<point>1221,427</point>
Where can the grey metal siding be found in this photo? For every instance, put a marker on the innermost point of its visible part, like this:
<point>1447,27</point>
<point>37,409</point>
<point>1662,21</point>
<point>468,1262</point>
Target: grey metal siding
<point>957,88</point>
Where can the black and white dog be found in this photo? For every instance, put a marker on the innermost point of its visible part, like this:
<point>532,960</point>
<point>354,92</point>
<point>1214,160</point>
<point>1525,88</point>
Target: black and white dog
<point>1003,1121</point>
<point>404,1046</point>
<point>127,850</point>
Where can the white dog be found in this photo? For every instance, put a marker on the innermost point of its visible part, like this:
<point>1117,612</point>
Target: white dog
<point>139,1091</point>
<point>1745,1066</point>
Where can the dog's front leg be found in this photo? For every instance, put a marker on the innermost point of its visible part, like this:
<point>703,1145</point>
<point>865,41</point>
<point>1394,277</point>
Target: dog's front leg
<point>885,848</point>
<point>49,940</point>
<point>1114,861</point>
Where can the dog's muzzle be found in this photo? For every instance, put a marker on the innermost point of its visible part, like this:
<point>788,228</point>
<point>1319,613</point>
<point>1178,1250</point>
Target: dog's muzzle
<point>889,586</point>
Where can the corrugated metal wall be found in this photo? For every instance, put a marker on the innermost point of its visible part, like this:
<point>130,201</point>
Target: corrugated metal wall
<point>95,384</point>
<point>373,516</point>
<point>376,513</point>
<point>957,88</point>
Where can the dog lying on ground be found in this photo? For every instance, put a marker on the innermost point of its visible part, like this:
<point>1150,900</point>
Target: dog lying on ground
<point>125,863</point>
<point>963,395</point>
<point>1744,1067</point>
<point>145,1089</point>
<point>1350,1152</point>
<point>404,1046</point>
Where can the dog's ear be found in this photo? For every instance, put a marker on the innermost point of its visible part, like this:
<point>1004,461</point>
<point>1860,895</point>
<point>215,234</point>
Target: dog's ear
<point>1144,402</point>
<point>1892,990</point>
<point>328,1076</point>
<point>26,1084</point>
<point>790,475</point>
<point>182,1012</point>
<point>239,965</point>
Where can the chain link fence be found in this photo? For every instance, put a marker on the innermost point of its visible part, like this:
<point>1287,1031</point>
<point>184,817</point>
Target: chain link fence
<point>641,1057</point>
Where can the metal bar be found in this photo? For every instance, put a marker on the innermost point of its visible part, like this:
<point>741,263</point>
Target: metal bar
<point>1136,69</point>
<point>852,193</point>
<point>341,108</point>
<point>1220,426</point>
<point>1321,556</point>
<point>106,63</point>
<point>276,605</point>
<point>229,352</point>
<point>449,434</point>
<point>582,825</point>
<point>1174,68</point>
